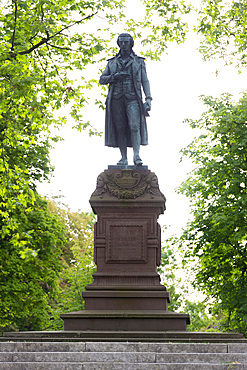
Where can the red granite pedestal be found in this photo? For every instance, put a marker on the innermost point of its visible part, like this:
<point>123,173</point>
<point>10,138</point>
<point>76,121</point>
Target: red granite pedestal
<point>126,293</point>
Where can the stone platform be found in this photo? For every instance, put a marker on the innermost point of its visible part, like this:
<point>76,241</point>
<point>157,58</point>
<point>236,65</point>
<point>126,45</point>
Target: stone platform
<point>123,336</point>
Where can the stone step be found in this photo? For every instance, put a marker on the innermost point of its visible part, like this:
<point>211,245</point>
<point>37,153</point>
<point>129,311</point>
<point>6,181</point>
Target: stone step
<point>43,347</point>
<point>124,357</point>
<point>123,347</point>
<point>117,366</point>
<point>167,347</point>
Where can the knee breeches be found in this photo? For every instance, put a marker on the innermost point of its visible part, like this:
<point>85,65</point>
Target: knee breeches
<point>126,113</point>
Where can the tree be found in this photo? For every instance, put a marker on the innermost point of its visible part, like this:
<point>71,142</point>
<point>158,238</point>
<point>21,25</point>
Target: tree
<point>217,233</point>
<point>218,185</point>
<point>28,283</point>
<point>50,278</point>
<point>223,27</point>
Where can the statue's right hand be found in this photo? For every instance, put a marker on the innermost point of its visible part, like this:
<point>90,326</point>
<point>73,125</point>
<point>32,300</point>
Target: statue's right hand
<point>120,75</point>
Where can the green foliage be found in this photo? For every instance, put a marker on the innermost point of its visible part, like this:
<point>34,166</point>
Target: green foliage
<point>217,188</point>
<point>223,27</point>
<point>49,279</point>
<point>78,265</point>
<point>200,318</point>
<point>27,284</point>
<point>172,26</point>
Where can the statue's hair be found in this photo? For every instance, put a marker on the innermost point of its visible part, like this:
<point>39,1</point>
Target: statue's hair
<point>126,35</point>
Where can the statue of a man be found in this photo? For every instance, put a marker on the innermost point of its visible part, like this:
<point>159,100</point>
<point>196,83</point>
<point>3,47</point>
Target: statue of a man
<point>125,124</point>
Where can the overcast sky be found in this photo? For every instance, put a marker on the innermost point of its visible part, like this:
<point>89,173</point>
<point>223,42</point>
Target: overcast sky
<point>176,83</point>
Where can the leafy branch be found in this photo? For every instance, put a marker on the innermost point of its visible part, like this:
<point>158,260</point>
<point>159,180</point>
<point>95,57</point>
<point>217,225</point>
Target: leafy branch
<point>61,48</point>
<point>47,38</point>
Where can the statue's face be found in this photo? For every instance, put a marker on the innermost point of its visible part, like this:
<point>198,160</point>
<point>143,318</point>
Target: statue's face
<point>124,44</point>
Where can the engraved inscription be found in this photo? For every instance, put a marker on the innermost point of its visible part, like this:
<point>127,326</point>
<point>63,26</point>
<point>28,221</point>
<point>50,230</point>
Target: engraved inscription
<point>126,243</point>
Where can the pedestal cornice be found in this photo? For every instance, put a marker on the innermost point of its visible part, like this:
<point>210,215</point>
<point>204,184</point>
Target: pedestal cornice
<point>128,188</point>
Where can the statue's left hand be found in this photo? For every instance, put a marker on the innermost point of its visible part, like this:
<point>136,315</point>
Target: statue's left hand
<point>147,106</point>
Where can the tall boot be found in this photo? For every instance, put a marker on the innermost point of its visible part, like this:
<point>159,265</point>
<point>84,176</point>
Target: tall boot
<point>136,142</point>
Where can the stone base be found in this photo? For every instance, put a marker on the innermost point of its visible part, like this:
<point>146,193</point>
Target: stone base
<point>126,294</point>
<point>119,320</point>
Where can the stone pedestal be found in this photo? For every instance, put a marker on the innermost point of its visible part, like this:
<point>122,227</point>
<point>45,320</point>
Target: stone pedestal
<point>126,293</point>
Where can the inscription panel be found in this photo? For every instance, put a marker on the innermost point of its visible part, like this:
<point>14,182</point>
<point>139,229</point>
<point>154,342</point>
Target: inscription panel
<point>126,242</point>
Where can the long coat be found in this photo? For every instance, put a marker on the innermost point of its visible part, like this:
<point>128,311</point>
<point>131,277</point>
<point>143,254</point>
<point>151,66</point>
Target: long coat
<point>140,81</point>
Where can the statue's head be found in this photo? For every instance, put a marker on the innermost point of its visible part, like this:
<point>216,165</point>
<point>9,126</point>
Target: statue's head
<point>125,37</point>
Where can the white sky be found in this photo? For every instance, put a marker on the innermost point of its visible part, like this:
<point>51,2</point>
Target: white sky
<point>176,84</point>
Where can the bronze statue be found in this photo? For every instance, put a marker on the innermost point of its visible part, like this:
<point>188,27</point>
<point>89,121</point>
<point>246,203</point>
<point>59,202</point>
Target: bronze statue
<point>125,122</point>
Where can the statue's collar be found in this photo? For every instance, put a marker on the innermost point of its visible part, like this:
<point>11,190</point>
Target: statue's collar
<point>127,62</point>
<point>131,56</point>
